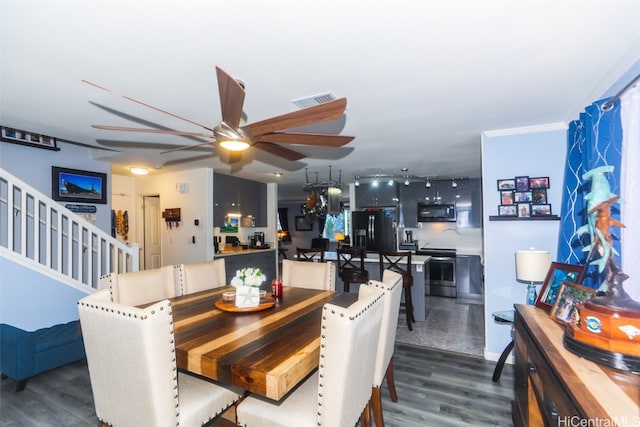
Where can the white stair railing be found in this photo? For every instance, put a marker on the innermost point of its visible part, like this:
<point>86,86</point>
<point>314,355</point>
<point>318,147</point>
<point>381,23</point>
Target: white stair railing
<point>47,235</point>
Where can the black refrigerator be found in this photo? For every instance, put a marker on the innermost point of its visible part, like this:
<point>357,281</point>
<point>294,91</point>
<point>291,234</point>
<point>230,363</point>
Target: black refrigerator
<point>374,229</point>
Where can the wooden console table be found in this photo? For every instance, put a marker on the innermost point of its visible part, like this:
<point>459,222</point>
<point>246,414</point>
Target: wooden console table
<point>554,386</point>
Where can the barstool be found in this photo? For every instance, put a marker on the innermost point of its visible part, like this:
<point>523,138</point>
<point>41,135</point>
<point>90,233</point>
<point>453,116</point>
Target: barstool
<point>351,266</point>
<point>310,254</point>
<point>394,261</point>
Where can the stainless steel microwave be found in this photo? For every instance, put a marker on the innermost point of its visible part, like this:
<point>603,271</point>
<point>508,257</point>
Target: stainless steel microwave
<point>430,212</point>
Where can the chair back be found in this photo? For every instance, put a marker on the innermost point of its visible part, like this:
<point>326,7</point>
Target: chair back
<point>310,254</point>
<point>398,261</point>
<point>141,287</point>
<point>320,243</point>
<point>351,259</point>
<point>310,275</point>
<point>201,276</point>
<point>391,286</point>
<point>349,337</point>
<point>131,359</point>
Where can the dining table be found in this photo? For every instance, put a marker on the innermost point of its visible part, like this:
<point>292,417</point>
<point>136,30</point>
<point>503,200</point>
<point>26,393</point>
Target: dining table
<point>266,351</point>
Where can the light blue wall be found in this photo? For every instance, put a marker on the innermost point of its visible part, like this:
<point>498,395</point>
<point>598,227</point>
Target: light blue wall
<point>30,301</point>
<point>539,152</point>
<point>33,166</point>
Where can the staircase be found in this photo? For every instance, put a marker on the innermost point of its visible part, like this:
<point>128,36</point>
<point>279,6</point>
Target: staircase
<point>39,233</point>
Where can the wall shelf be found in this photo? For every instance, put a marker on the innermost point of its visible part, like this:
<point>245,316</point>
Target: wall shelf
<point>530,218</point>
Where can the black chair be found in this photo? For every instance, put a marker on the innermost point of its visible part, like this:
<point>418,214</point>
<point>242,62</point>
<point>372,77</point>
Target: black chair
<point>320,243</point>
<point>310,254</point>
<point>400,262</point>
<point>351,266</point>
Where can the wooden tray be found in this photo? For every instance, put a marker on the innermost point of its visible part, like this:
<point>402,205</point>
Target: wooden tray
<point>265,302</point>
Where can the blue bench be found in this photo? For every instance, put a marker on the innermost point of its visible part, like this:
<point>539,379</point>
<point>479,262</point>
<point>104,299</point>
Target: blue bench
<point>25,354</point>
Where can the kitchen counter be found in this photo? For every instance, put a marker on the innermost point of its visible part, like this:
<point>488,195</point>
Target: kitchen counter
<point>241,251</point>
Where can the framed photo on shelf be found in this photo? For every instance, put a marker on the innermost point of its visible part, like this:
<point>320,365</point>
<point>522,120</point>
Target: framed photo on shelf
<point>30,139</point>
<point>506,184</point>
<point>506,197</point>
<point>507,210</point>
<point>523,196</point>
<point>569,295</point>
<point>524,210</point>
<point>539,182</point>
<point>302,224</point>
<point>540,210</point>
<point>558,273</point>
<point>73,185</point>
<point>522,183</point>
<point>539,196</point>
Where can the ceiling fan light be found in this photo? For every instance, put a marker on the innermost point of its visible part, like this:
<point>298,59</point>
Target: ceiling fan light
<point>234,144</point>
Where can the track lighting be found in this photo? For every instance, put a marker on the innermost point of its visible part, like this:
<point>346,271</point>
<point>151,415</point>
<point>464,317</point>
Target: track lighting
<point>390,182</point>
<point>454,184</point>
<point>374,183</point>
<point>406,182</point>
<point>357,183</point>
<point>428,184</point>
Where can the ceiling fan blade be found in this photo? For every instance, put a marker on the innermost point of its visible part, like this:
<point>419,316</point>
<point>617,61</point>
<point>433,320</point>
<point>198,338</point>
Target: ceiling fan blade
<point>161,131</point>
<point>231,98</point>
<point>279,151</point>
<point>317,139</point>
<point>316,114</point>
<point>147,105</point>
<point>186,147</point>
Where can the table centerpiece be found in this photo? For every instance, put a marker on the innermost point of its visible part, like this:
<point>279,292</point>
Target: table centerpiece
<point>247,282</point>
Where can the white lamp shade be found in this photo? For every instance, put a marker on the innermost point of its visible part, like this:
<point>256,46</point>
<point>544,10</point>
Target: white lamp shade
<point>532,265</point>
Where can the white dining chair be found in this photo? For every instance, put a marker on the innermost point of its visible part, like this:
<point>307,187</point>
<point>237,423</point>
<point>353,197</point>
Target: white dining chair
<point>141,287</point>
<point>391,286</point>
<point>310,275</point>
<point>201,276</point>
<point>132,368</point>
<point>338,393</point>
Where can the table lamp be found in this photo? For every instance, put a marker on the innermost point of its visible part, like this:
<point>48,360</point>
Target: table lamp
<point>532,267</point>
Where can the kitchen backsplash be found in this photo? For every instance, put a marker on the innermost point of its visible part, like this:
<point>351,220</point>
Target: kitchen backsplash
<point>467,241</point>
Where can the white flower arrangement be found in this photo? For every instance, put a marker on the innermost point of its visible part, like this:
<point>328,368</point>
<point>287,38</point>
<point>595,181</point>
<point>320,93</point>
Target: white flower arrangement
<point>248,277</point>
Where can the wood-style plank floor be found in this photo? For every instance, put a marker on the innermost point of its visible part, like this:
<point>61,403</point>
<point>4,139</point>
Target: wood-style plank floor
<point>435,388</point>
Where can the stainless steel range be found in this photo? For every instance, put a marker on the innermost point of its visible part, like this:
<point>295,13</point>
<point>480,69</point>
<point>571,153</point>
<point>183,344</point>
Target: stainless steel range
<point>442,271</point>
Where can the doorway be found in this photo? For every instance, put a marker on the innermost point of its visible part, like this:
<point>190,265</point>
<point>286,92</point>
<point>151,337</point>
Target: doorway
<point>151,229</point>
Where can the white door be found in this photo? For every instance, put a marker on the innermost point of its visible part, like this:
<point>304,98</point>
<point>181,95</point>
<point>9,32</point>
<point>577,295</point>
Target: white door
<point>152,241</point>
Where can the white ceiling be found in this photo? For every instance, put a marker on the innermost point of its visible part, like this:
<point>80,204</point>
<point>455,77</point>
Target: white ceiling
<point>422,79</point>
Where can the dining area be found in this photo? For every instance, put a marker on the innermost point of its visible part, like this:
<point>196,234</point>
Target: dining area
<point>159,354</point>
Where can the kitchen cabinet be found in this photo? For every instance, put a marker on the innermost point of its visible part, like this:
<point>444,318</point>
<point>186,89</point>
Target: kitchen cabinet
<point>467,197</point>
<point>264,259</point>
<point>368,195</point>
<point>553,386</point>
<point>237,195</point>
<point>469,277</point>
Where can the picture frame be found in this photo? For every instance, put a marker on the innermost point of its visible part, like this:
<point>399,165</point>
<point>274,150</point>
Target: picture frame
<point>524,210</point>
<point>523,196</point>
<point>302,224</point>
<point>539,196</point>
<point>74,185</point>
<point>508,210</point>
<point>522,183</point>
<point>569,295</point>
<point>506,184</point>
<point>29,139</point>
<point>539,182</point>
<point>506,197</point>
<point>540,210</point>
<point>558,272</point>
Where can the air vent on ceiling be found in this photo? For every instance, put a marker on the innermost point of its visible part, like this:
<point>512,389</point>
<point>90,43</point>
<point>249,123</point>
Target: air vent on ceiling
<point>310,101</point>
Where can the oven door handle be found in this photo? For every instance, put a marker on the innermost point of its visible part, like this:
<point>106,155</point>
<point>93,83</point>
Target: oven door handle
<point>439,258</point>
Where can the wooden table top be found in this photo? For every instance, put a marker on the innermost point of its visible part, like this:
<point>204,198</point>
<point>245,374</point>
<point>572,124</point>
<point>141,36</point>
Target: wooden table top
<point>265,352</point>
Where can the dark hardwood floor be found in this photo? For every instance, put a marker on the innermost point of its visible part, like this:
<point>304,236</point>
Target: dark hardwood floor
<point>435,388</point>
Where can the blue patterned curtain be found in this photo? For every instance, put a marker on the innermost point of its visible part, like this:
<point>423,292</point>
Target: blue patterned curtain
<point>595,139</point>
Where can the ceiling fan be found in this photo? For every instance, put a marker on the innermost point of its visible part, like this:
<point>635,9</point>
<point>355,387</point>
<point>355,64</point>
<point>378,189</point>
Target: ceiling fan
<point>266,135</point>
